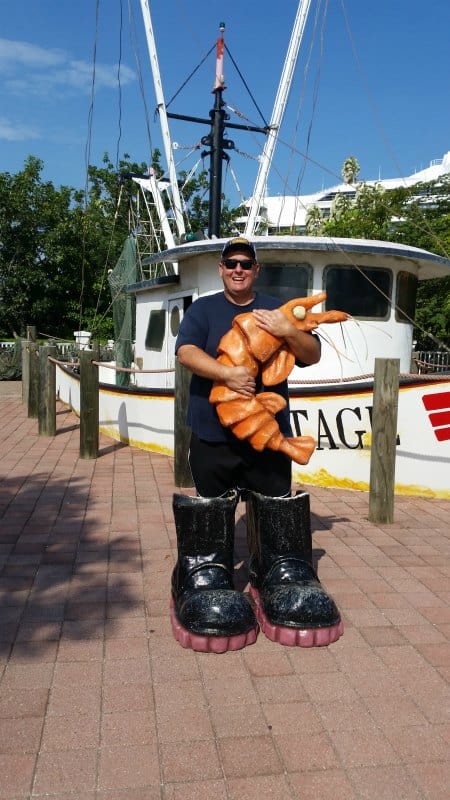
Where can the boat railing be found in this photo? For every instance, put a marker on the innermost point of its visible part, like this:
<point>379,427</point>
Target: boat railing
<point>427,361</point>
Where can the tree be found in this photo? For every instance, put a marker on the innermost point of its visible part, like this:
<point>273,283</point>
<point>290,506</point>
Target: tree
<point>39,246</point>
<point>350,169</point>
<point>314,221</point>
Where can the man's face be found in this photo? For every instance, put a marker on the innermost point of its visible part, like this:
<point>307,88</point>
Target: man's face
<point>237,279</point>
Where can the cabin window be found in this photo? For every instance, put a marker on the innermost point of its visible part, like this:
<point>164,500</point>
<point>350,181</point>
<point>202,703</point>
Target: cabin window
<point>406,297</point>
<point>285,281</point>
<point>364,292</point>
<point>175,319</point>
<point>156,330</point>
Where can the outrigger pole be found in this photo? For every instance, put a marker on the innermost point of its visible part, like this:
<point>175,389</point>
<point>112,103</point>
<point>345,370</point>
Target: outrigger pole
<point>277,114</point>
<point>161,105</point>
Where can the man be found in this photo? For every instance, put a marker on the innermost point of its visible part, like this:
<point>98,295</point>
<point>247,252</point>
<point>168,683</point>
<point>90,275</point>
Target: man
<point>220,462</point>
<point>207,614</point>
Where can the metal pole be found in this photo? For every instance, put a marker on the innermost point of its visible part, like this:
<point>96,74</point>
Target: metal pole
<point>162,112</point>
<point>215,185</point>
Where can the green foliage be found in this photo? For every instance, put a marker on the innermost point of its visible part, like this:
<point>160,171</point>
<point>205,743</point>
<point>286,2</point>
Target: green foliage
<point>39,251</point>
<point>196,198</point>
<point>350,169</point>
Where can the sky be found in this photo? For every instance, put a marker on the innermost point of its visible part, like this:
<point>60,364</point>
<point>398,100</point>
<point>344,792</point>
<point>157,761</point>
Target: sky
<point>372,81</point>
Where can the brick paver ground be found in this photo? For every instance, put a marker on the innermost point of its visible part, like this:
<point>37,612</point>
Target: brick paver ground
<point>97,701</point>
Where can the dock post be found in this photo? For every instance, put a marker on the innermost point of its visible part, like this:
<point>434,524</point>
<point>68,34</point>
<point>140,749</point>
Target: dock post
<point>182,433</point>
<point>47,391</point>
<point>384,440</point>
<point>89,414</point>
<point>33,379</point>
<point>31,337</point>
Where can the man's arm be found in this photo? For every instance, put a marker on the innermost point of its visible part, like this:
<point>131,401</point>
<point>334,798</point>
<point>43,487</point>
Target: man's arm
<point>303,345</point>
<point>200,363</point>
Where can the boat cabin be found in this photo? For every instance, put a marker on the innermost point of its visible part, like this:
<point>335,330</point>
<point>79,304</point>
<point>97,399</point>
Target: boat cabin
<point>374,281</point>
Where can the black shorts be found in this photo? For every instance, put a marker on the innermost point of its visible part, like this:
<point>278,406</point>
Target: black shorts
<point>217,467</point>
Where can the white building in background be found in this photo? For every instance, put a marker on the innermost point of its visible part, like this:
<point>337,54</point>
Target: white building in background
<point>289,212</point>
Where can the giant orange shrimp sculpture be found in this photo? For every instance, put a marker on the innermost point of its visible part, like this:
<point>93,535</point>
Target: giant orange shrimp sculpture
<point>250,346</point>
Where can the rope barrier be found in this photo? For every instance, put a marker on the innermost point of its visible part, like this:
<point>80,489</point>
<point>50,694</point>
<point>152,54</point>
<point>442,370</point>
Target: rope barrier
<point>132,371</point>
<point>415,375</point>
<point>368,376</point>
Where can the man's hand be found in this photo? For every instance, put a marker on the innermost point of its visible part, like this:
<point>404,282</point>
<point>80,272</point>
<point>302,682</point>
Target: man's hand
<point>240,379</point>
<point>274,322</point>
<point>302,344</point>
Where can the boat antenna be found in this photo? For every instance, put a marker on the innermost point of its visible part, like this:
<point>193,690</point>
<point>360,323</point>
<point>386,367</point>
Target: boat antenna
<point>161,106</point>
<point>277,114</point>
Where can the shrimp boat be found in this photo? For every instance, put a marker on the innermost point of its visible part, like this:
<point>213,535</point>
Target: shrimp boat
<point>374,281</point>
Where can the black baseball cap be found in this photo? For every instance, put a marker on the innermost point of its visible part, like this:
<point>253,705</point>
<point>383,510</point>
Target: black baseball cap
<point>239,243</point>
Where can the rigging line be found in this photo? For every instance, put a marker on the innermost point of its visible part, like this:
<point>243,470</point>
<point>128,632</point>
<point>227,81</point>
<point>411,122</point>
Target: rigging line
<point>246,86</point>
<point>191,75</point>
<point>186,13</point>
<point>191,173</point>
<point>135,48</point>
<point>119,84</point>
<point>315,96</point>
<point>316,81</point>
<point>236,184</point>
<point>370,96</point>
<point>87,155</point>
<point>119,66</point>
<point>422,228</point>
<point>110,244</point>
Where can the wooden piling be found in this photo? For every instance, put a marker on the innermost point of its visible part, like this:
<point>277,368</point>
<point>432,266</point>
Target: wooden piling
<point>47,391</point>
<point>33,379</point>
<point>384,440</point>
<point>89,414</point>
<point>182,470</point>
<point>31,337</point>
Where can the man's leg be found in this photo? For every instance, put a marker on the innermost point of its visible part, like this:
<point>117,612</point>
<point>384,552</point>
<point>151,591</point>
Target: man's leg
<point>213,466</point>
<point>269,472</point>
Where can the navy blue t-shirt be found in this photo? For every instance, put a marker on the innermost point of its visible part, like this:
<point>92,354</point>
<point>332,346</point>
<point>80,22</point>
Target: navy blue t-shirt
<point>203,325</point>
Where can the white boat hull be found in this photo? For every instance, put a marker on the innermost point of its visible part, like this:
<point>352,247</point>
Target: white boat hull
<point>340,421</point>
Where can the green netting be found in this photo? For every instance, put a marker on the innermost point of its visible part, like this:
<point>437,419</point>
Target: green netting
<point>124,308</point>
<point>11,362</point>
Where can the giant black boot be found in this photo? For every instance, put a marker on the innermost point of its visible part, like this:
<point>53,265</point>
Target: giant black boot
<point>207,614</point>
<point>292,608</point>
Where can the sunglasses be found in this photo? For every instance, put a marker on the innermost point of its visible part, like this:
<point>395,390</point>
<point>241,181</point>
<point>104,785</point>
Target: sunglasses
<point>231,263</point>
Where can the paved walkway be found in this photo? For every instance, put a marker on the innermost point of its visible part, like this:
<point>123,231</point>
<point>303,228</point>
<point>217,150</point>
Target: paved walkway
<point>98,701</point>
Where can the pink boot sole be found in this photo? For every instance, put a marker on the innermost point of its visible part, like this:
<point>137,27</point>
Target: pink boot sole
<point>295,637</point>
<point>209,644</point>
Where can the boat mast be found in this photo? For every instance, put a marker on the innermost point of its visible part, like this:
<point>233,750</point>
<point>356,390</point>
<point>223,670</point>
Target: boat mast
<point>161,105</point>
<point>277,115</point>
<point>216,141</point>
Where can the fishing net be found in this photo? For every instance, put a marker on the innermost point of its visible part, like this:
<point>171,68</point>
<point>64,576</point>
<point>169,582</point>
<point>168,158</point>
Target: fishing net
<point>124,309</point>
<point>11,362</point>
